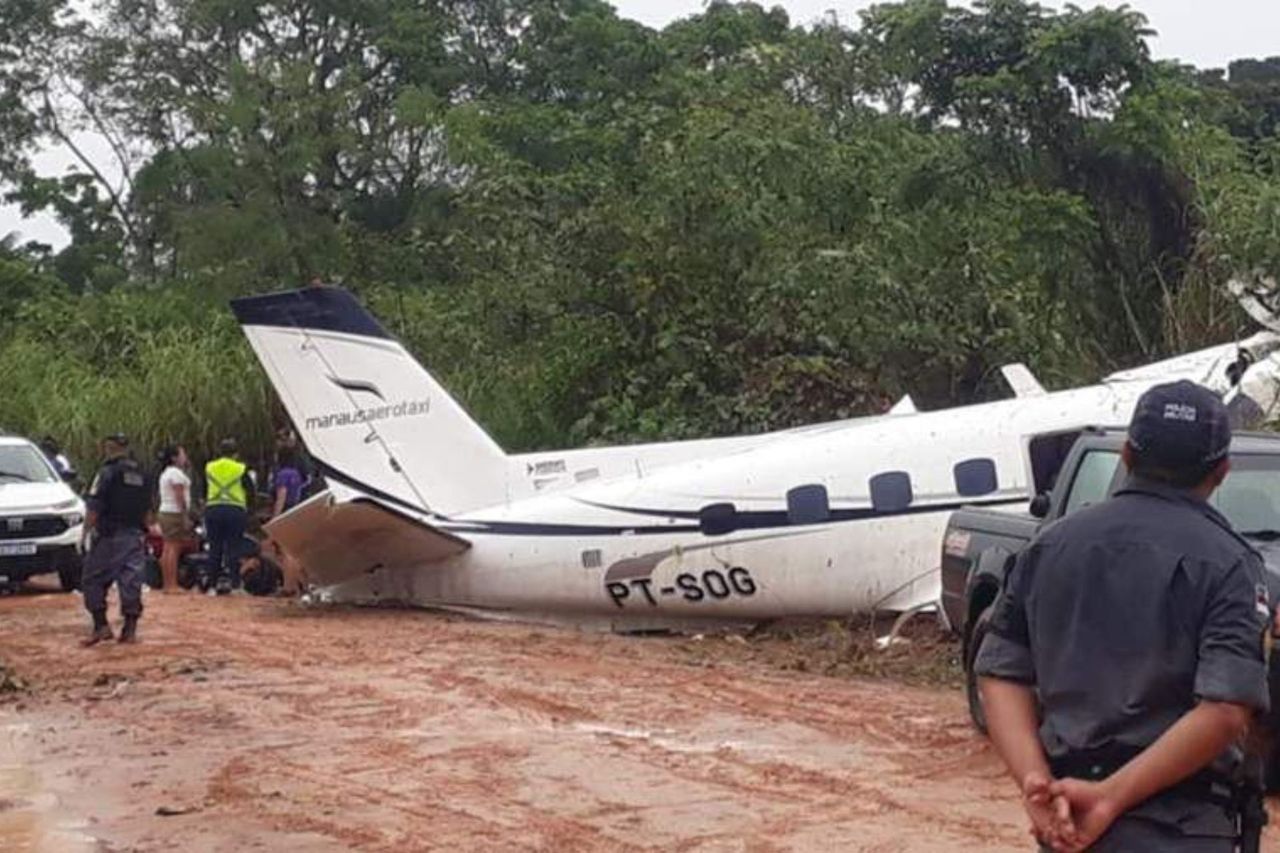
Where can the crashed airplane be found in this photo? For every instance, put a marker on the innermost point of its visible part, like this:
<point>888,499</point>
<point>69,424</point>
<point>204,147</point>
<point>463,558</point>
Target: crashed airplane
<point>423,507</point>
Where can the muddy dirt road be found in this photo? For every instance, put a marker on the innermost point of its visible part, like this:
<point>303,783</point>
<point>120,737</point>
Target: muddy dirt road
<point>262,725</point>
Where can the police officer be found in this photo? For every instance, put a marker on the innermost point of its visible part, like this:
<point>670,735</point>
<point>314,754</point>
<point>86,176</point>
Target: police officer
<point>118,506</point>
<point>226,513</point>
<point>1139,624</point>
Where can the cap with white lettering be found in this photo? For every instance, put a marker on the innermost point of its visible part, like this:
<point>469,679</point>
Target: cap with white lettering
<point>1180,425</point>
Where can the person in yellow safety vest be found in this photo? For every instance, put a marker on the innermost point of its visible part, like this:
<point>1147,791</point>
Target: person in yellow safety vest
<point>226,513</point>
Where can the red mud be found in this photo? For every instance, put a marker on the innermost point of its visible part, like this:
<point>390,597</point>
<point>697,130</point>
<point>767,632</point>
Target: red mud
<point>268,726</point>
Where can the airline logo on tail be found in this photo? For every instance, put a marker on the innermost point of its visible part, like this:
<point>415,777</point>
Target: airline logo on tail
<point>404,409</point>
<point>357,385</point>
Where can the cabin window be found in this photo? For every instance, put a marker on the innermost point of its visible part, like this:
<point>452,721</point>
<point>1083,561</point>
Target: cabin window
<point>891,491</point>
<point>591,558</point>
<point>718,519</point>
<point>808,505</point>
<point>975,477</point>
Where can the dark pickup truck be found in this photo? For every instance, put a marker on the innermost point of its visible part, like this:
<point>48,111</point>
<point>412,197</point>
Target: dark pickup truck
<point>1072,470</point>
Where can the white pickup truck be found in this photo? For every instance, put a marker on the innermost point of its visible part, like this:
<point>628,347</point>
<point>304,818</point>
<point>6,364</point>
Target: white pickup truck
<point>41,518</point>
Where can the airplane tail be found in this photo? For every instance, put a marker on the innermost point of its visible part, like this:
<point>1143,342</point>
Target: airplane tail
<point>370,415</point>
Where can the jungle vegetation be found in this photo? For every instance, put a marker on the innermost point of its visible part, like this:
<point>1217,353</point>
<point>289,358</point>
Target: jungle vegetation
<point>594,231</point>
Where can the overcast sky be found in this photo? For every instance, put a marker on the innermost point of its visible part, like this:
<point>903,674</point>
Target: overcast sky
<point>1206,33</point>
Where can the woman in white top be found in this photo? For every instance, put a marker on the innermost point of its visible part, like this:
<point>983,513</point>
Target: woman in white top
<point>173,515</point>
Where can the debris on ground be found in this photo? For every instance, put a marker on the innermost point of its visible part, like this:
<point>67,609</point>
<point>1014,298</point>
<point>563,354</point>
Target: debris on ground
<point>922,654</point>
<point>10,684</point>
<point>175,811</point>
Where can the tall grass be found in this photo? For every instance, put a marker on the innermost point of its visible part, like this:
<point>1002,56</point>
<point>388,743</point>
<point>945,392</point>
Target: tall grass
<point>160,368</point>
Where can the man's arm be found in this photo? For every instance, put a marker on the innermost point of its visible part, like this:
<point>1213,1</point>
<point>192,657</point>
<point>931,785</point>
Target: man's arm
<point>1006,672</point>
<point>1013,724</point>
<point>1200,736</point>
<point>93,506</point>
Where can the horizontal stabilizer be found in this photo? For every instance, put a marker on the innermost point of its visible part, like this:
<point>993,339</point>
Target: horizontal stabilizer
<point>340,541</point>
<point>1022,380</point>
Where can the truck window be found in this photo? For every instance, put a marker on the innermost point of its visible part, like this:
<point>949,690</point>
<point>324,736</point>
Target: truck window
<point>1246,497</point>
<point>1093,479</point>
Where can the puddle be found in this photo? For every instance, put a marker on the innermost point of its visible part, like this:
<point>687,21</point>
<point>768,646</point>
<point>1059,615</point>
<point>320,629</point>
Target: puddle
<point>29,818</point>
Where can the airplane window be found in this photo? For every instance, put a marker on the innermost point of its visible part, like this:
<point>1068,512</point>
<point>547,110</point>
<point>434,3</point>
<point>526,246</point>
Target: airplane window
<point>718,519</point>
<point>975,477</point>
<point>891,491</point>
<point>808,505</point>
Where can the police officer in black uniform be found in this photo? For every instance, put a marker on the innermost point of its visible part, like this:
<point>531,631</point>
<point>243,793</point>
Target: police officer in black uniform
<point>1125,658</point>
<point>119,503</point>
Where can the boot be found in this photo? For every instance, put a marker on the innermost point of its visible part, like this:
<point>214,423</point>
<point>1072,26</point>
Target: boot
<point>101,630</point>
<point>129,633</point>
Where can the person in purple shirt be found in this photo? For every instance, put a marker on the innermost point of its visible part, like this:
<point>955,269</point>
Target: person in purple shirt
<point>286,483</point>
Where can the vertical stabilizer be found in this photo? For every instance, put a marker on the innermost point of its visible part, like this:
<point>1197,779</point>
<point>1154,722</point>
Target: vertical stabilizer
<point>369,413</point>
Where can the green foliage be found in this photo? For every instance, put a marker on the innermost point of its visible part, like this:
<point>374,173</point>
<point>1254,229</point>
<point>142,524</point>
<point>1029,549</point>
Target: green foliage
<point>159,366</point>
<point>594,231</point>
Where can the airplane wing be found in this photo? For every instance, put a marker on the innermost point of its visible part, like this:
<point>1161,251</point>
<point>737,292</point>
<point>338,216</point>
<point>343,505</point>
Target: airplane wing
<point>1022,380</point>
<point>338,541</point>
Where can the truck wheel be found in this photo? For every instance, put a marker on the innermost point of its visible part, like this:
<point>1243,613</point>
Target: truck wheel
<point>70,572</point>
<point>976,636</point>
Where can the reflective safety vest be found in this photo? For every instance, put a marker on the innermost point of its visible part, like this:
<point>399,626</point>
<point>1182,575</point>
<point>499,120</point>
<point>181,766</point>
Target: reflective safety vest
<point>225,480</point>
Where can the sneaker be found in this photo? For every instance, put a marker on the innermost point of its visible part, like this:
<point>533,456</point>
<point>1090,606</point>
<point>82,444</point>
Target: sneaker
<point>129,633</point>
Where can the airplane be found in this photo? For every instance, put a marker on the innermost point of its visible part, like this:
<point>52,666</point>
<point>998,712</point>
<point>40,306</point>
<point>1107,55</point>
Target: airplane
<point>423,507</point>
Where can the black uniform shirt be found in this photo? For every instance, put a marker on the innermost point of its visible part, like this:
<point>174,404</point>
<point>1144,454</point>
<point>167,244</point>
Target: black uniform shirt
<point>120,496</point>
<point>1124,614</point>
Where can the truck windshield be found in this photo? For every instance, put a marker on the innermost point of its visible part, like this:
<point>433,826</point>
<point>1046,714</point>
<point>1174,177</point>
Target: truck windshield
<point>22,463</point>
<point>1249,495</point>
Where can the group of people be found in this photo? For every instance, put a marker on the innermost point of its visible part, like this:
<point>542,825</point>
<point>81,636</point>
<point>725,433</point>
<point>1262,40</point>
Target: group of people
<point>121,501</point>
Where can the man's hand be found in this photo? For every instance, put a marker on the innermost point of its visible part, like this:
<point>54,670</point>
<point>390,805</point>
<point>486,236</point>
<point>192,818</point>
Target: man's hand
<point>1050,816</point>
<point>1093,809</point>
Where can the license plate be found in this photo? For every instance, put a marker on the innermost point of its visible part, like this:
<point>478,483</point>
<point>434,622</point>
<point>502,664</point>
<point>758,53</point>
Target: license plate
<point>17,549</point>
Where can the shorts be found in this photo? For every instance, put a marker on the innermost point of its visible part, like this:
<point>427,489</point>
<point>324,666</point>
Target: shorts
<point>174,525</point>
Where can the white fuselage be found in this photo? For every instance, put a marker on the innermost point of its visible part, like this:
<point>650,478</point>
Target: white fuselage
<point>630,548</point>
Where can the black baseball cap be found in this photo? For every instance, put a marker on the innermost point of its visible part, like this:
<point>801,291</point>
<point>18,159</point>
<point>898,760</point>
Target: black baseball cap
<point>1180,425</point>
<point>117,438</point>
